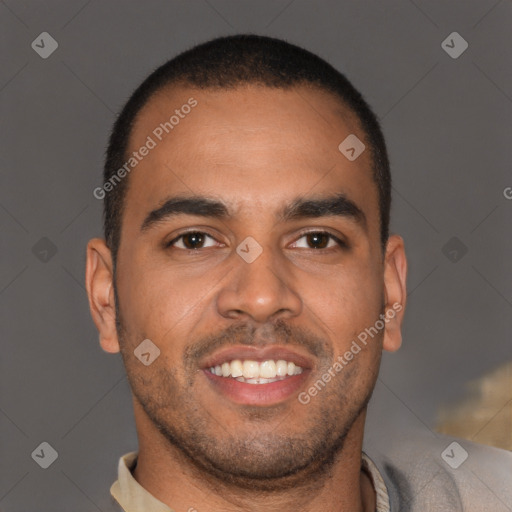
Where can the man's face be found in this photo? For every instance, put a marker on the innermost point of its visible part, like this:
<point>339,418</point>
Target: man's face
<point>303,300</point>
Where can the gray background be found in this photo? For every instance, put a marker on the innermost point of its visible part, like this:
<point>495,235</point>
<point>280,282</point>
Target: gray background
<point>448,125</point>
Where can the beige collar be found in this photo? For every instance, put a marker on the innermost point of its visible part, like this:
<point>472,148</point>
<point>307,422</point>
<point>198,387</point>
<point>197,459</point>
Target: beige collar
<point>133,497</point>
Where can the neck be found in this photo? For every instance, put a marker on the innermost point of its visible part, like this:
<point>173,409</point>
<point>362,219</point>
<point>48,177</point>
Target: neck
<point>165,472</point>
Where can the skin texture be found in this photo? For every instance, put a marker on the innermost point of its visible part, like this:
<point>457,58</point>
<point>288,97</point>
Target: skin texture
<point>255,149</point>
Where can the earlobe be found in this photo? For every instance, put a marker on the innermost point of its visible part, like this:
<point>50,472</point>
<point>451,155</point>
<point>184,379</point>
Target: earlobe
<point>395,276</point>
<point>100,291</point>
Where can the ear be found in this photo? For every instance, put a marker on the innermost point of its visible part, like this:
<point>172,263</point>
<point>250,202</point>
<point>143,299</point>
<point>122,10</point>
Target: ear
<point>99,282</point>
<point>395,275</point>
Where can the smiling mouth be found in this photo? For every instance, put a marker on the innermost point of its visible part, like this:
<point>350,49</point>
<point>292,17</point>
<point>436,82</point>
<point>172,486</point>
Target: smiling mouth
<point>255,372</point>
<point>257,375</point>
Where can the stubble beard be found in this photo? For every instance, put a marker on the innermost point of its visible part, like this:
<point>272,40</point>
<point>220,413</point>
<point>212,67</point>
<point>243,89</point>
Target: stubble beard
<point>259,458</point>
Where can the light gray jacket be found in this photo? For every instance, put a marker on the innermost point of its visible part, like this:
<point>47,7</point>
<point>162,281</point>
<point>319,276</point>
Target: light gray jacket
<point>427,473</point>
<point>443,474</point>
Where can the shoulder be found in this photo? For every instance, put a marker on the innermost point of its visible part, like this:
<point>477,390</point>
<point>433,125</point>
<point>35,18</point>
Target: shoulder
<point>486,476</point>
<point>437,473</point>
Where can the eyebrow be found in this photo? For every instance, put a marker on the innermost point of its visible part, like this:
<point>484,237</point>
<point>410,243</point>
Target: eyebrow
<point>338,205</point>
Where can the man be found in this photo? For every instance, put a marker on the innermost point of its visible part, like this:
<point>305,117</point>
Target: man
<point>249,281</point>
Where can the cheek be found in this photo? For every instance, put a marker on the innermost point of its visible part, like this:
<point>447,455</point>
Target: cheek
<point>345,306</point>
<point>350,299</point>
<point>166,306</point>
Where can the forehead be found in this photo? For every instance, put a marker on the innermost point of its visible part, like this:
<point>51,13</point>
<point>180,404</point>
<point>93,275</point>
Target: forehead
<point>251,145</point>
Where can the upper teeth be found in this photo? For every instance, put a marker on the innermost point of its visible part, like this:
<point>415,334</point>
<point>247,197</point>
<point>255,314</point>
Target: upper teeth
<point>254,370</point>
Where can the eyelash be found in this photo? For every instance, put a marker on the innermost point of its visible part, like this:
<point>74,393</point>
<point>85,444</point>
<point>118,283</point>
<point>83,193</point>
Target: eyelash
<point>341,243</point>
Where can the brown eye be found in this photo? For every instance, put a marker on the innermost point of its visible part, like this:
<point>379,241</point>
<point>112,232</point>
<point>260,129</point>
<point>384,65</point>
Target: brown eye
<point>192,240</point>
<point>320,240</point>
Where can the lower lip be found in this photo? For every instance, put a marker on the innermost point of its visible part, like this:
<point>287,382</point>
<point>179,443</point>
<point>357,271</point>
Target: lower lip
<point>257,394</point>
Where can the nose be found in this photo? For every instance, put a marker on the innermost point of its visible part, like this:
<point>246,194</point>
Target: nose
<point>260,291</point>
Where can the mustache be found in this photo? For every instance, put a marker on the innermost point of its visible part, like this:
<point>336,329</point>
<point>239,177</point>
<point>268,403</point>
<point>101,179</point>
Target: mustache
<point>277,333</point>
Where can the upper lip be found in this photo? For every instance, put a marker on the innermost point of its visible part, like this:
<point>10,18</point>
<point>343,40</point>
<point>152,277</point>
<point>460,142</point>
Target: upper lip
<point>244,352</point>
